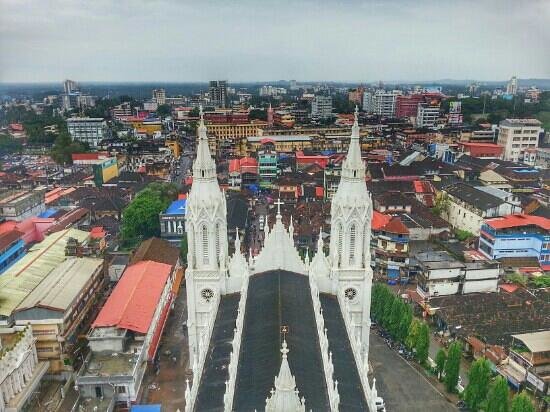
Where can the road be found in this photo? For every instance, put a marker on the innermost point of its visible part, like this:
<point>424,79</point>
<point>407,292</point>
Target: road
<point>403,388</point>
<point>168,386</point>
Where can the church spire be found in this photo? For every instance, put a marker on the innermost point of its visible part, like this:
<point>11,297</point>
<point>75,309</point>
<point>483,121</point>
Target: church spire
<point>284,398</point>
<point>353,166</point>
<point>204,166</point>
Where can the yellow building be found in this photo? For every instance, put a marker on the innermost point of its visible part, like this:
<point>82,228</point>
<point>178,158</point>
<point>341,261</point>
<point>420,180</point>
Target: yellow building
<point>148,127</point>
<point>174,146</point>
<point>288,143</point>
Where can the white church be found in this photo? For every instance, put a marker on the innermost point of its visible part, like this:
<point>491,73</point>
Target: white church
<point>275,332</point>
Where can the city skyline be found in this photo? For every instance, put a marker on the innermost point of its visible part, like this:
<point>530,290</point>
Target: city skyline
<point>348,42</point>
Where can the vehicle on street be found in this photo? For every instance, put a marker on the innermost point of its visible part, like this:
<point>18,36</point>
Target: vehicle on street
<point>380,405</point>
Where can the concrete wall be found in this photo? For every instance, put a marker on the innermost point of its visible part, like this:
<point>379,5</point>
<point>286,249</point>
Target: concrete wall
<point>478,274</point>
<point>443,288</point>
<point>443,273</point>
<point>488,285</point>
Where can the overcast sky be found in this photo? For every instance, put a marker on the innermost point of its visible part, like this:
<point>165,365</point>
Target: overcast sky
<point>258,40</point>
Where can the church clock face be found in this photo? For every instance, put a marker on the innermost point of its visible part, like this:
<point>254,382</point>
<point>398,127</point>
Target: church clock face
<point>350,293</point>
<point>207,294</point>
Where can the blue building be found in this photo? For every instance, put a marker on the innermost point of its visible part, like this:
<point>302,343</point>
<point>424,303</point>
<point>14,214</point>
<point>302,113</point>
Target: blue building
<point>12,248</point>
<point>172,222</point>
<point>517,236</point>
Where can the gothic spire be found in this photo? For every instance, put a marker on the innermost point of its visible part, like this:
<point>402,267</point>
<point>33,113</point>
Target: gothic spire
<point>353,166</point>
<point>285,396</point>
<point>204,166</point>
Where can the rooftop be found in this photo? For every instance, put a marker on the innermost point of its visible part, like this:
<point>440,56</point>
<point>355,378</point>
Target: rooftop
<point>156,250</point>
<point>177,207</point>
<point>536,341</point>
<point>135,297</point>
<point>518,220</point>
<point>28,272</point>
<point>473,196</point>
<point>520,122</point>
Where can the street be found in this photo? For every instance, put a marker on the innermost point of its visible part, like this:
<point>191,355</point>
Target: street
<point>400,384</point>
<point>168,386</point>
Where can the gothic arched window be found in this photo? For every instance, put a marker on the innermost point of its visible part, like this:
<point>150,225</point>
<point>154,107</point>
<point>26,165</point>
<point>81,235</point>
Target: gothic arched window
<point>352,242</point>
<point>204,239</point>
<point>218,240</point>
<point>340,241</point>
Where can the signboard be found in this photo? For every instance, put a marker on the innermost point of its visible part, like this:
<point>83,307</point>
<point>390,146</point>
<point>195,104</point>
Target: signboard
<point>535,381</point>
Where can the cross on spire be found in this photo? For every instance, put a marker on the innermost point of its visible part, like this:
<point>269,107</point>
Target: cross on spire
<point>279,203</point>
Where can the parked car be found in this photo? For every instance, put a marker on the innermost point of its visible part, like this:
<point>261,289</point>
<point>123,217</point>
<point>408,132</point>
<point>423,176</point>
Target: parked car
<point>380,405</point>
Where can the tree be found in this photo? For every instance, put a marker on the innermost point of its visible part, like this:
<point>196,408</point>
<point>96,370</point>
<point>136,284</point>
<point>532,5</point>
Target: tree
<point>412,334</point>
<point>522,403</point>
<point>9,145</point>
<point>423,343</point>
<point>64,147</point>
<point>395,316</point>
<point>498,398</point>
<point>478,383</point>
<point>183,249</point>
<point>440,360</point>
<point>258,114</point>
<point>164,110</point>
<point>404,323</point>
<point>140,219</point>
<point>452,366</point>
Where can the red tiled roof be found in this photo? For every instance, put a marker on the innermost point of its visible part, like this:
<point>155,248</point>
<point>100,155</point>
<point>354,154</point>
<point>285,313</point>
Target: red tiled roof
<point>135,297</point>
<point>396,226</point>
<point>7,238</point>
<point>319,191</point>
<point>379,220</point>
<point>234,166</point>
<point>508,287</point>
<point>97,232</point>
<point>518,221</point>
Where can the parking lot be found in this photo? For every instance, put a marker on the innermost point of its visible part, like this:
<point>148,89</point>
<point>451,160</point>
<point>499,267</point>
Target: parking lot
<point>403,388</point>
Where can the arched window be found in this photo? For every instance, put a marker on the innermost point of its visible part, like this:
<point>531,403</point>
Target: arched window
<point>204,238</point>
<point>218,240</point>
<point>352,242</point>
<point>340,241</point>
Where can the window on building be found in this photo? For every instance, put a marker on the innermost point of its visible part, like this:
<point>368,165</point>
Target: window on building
<point>204,236</point>
<point>352,241</point>
<point>218,239</point>
<point>340,240</point>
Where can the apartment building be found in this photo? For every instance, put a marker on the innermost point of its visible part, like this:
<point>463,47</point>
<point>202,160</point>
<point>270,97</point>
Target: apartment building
<point>381,103</point>
<point>21,204</point>
<point>321,108</point>
<point>518,136</point>
<point>90,130</point>
<point>427,115</point>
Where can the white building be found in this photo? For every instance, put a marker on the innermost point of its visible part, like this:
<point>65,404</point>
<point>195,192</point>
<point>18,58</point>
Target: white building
<point>159,96</point>
<point>512,86</point>
<point>381,103</point>
<point>321,108</point>
<point>517,136</point>
<point>89,130</point>
<point>20,369</point>
<point>427,115</point>
<point>251,303</point>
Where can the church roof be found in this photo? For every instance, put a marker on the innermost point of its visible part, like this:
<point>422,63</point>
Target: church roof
<point>275,299</point>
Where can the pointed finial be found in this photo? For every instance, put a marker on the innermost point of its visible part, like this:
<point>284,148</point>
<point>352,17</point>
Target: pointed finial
<point>201,113</point>
<point>284,349</point>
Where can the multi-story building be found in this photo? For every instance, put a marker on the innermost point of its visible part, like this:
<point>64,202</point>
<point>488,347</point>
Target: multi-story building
<point>390,247</point>
<point>356,95</point>
<point>407,106</point>
<point>542,158</point>
<point>21,204</point>
<point>218,93</point>
<point>12,248</point>
<point>381,103</point>
<point>516,236</point>
<point>70,86</point>
<point>467,207</point>
<point>89,130</point>
<point>267,167</point>
<point>512,86</point>
<point>159,96</point>
<point>126,335</point>
<point>20,369</point>
<point>427,115</point>
<point>172,222</point>
<point>321,108</point>
<point>30,294</point>
<point>439,274</point>
<point>121,111</point>
<point>282,143</point>
<point>283,118</point>
<point>517,136</point>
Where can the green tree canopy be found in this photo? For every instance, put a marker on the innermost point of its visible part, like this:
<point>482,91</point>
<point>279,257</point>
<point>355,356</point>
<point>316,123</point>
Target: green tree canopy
<point>183,249</point>
<point>452,366</point>
<point>423,343</point>
<point>64,147</point>
<point>498,398</point>
<point>522,403</point>
<point>164,110</point>
<point>412,335</point>
<point>9,145</point>
<point>440,360</point>
<point>140,219</point>
<point>478,384</point>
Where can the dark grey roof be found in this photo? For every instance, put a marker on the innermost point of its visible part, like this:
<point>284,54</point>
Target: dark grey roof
<point>215,373</point>
<point>237,212</point>
<point>473,196</point>
<point>278,298</point>
<point>345,371</point>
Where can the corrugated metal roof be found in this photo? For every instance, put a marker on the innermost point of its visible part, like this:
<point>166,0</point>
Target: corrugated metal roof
<point>62,285</point>
<point>26,274</point>
<point>135,297</point>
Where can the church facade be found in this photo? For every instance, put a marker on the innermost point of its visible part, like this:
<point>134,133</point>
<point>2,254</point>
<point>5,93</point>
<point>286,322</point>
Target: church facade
<point>275,332</point>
